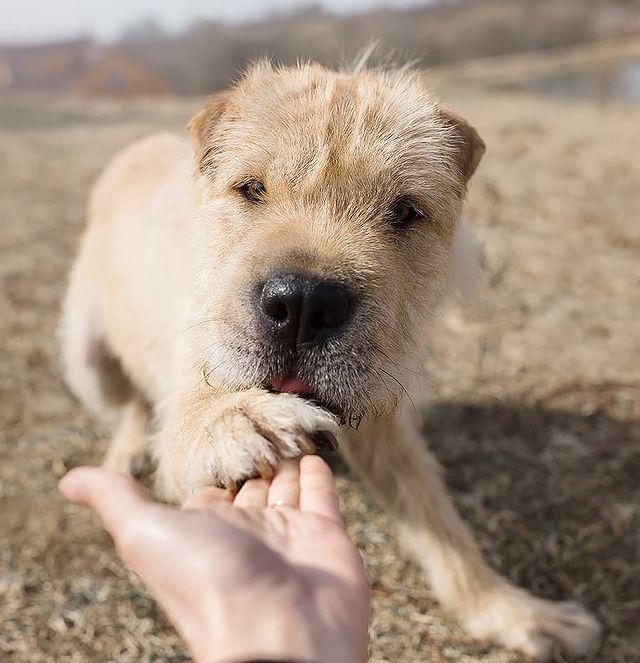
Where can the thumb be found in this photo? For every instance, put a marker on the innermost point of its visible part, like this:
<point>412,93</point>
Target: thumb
<point>117,498</point>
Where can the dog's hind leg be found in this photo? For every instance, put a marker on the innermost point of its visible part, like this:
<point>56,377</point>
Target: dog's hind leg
<point>128,446</point>
<point>395,463</point>
<point>96,376</point>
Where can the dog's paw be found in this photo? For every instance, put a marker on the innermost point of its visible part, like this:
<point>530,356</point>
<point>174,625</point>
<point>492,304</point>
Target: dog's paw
<point>123,460</point>
<point>536,627</point>
<point>246,434</point>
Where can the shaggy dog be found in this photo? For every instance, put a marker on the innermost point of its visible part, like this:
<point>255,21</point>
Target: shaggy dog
<point>264,289</point>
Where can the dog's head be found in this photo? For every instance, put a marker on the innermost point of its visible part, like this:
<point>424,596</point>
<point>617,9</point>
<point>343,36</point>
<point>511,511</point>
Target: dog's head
<point>329,203</point>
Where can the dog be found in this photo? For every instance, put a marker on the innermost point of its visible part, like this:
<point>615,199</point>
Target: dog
<point>263,289</point>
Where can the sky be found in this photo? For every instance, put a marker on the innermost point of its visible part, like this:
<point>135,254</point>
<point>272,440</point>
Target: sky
<point>25,21</point>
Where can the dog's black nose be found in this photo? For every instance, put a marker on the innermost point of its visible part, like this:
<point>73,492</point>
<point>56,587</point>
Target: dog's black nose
<point>304,310</point>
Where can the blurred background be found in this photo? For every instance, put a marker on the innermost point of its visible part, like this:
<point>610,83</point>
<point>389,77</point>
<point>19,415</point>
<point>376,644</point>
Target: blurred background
<point>189,48</point>
<point>535,410</point>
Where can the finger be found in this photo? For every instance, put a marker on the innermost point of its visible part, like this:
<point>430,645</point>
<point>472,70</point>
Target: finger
<point>117,498</point>
<point>253,495</point>
<point>285,487</point>
<point>318,489</point>
<point>208,499</point>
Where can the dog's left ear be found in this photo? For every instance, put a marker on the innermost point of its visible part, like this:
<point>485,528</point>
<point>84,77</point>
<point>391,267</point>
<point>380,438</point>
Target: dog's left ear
<point>468,143</point>
<point>203,126</point>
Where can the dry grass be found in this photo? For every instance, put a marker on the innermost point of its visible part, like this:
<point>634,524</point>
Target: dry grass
<point>536,413</point>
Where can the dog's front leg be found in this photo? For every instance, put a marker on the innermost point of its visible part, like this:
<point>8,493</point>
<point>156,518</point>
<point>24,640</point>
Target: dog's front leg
<point>393,460</point>
<point>211,437</point>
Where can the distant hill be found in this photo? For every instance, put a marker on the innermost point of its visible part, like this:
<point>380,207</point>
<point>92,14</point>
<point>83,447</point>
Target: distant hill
<point>208,55</point>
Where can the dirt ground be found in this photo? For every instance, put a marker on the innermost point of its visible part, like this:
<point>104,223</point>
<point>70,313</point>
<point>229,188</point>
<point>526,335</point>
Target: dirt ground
<point>536,391</point>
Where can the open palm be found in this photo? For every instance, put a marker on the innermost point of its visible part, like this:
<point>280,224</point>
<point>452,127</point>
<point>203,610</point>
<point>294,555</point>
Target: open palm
<point>271,574</point>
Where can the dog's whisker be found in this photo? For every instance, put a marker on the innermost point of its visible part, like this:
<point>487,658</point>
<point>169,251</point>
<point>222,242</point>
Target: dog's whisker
<point>202,322</point>
<point>397,365</point>
<point>392,393</point>
<point>406,393</point>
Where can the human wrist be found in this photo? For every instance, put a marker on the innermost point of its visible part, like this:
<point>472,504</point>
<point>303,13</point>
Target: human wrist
<point>242,628</point>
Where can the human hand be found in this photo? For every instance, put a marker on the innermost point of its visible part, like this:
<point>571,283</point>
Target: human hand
<point>271,575</point>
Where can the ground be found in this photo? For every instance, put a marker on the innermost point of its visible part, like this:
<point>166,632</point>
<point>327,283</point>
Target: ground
<point>536,388</point>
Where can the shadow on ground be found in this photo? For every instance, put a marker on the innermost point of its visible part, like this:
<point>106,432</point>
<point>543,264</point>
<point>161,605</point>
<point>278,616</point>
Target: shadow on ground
<point>553,497</point>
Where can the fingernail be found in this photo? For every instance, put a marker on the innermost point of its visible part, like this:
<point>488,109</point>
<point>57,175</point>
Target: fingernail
<point>72,485</point>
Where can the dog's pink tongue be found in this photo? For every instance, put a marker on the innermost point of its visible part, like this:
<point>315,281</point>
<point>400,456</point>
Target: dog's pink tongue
<point>291,385</point>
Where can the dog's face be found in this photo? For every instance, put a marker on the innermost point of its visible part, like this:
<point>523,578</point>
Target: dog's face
<point>323,243</point>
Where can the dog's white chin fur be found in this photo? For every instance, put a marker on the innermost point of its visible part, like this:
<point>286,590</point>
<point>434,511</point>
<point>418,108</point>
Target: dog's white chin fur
<point>467,260</point>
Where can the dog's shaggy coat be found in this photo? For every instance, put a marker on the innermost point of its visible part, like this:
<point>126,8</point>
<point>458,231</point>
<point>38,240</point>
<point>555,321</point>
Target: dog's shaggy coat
<point>356,179</point>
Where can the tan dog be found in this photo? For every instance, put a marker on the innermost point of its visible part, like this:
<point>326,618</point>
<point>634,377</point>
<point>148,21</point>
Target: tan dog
<point>283,276</point>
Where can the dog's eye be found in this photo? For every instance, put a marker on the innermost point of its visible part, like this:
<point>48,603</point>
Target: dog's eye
<point>253,190</point>
<point>404,213</point>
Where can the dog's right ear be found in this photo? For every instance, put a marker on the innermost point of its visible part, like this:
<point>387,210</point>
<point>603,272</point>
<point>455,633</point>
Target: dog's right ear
<point>203,126</point>
<point>469,146</point>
